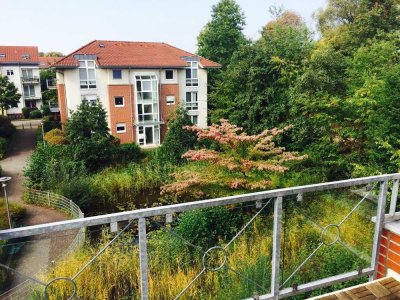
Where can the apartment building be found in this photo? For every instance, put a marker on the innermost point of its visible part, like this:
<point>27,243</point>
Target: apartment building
<point>21,65</point>
<point>138,83</point>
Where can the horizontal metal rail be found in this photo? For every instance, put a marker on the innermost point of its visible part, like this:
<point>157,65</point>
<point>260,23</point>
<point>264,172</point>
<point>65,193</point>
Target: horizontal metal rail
<point>176,208</point>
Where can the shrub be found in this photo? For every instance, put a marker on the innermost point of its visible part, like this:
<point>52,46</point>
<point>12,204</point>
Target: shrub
<point>3,147</point>
<point>26,111</point>
<point>7,129</point>
<point>208,227</point>
<point>35,114</point>
<point>46,110</point>
<point>128,152</point>
<point>56,137</point>
<point>178,140</point>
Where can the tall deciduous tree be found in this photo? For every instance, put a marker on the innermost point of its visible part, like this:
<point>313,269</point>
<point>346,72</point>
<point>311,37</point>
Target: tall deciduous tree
<point>254,90</point>
<point>9,96</point>
<point>223,35</point>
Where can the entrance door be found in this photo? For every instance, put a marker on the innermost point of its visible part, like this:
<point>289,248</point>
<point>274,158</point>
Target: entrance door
<point>146,135</point>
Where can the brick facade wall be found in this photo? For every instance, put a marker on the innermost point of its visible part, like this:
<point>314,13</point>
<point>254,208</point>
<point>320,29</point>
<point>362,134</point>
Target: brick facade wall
<point>123,114</point>
<point>389,253</point>
<point>62,103</point>
<point>166,110</point>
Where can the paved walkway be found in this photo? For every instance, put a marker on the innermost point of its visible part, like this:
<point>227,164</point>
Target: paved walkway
<point>37,253</point>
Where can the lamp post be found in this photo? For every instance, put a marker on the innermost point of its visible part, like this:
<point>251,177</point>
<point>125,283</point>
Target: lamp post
<point>3,181</point>
<point>42,123</point>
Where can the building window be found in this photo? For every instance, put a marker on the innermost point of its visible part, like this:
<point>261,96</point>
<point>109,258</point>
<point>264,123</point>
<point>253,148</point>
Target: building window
<point>194,119</point>
<point>147,98</point>
<point>87,74</point>
<point>147,110</point>
<point>119,101</point>
<point>192,78</point>
<point>169,74</point>
<point>92,99</point>
<point>29,91</point>
<point>191,101</point>
<point>121,128</point>
<point>27,73</point>
<point>170,100</point>
<point>117,74</point>
<point>10,72</point>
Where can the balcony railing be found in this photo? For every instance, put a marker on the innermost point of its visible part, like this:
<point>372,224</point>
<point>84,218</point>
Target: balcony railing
<point>190,106</point>
<point>30,80</point>
<point>257,205</point>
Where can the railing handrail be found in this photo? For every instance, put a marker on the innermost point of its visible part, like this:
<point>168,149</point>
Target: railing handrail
<point>176,208</point>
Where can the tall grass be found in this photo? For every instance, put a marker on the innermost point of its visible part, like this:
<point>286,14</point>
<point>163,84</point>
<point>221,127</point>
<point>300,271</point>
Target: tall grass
<point>173,263</point>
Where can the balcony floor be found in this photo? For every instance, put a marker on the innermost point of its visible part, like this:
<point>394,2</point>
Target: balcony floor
<point>385,288</point>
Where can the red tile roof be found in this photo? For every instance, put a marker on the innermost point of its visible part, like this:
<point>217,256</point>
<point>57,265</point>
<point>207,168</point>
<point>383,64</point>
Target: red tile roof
<point>47,61</point>
<point>133,54</point>
<point>19,54</point>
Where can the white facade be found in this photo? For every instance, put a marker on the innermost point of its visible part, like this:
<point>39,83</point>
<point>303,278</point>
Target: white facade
<point>75,94</point>
<point>27,79</point>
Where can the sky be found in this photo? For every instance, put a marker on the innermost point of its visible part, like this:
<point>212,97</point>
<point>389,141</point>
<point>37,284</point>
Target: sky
<point>66,25</point>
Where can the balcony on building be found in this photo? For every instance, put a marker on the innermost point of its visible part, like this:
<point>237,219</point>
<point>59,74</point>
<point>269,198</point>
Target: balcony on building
<point>30,79</point>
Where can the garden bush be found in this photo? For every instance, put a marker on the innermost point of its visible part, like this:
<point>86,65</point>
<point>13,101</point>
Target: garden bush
<point>46,110</point>
<point>177,140</point>
<point>128,152</point>
<point>26,111</point>
<point>7,129</point>
<point>208,227</point>
<point>56,137</point>
<point>3,147</point>
<point>35,114</point>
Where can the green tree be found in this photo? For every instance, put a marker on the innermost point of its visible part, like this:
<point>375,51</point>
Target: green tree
<point>88,134</point>
<point>254,90</point>
<point>223,35</point>
<point>9,96</point>
<point>177,140</point>
<point>220,38</point>
<point>53,54</point>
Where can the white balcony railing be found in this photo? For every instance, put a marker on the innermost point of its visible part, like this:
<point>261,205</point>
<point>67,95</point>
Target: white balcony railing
<point>266,201</point>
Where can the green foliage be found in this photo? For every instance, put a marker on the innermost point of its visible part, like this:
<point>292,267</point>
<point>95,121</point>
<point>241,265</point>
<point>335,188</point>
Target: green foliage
<point>223,35</point>
<point>129,152</point>
<point>3,147</point>
<point>50,164</point>
<point>46,110</point>
<point>177,140</point>
<point>9,96</point>
<point>56,137</point>
<point>26,111</point>
<point>208,227</point>
<point>254,90</point>
<point>35,114</point>
<point>7,129</point>
<point>88,134</point>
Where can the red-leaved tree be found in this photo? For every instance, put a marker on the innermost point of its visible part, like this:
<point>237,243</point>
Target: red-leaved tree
<point>234,160</point>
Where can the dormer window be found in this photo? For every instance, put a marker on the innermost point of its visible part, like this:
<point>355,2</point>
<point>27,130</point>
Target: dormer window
<point>2,55</point>
<point>25,56</point>
<point>87,74</point>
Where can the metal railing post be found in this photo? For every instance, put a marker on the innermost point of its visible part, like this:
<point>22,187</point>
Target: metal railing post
<point>393,200</point>
<point>276,248</point>
<point>144,282</point>
<point>380,218</point>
